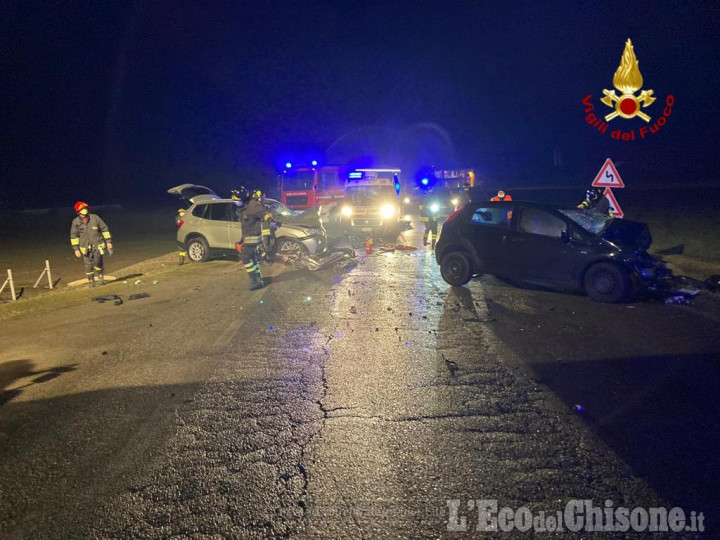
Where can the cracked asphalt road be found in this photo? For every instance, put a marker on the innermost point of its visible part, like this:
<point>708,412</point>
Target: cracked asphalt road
<point>349,404</point>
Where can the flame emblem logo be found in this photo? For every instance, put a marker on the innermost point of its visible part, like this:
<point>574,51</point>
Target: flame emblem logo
<point>628,80</point>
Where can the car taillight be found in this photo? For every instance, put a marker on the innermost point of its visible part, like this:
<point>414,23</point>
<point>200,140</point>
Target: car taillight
<point>454,214</point>
<point>180,223</point>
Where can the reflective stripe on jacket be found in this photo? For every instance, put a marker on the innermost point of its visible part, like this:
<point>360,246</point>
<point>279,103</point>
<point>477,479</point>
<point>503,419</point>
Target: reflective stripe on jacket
<point>93,233</point>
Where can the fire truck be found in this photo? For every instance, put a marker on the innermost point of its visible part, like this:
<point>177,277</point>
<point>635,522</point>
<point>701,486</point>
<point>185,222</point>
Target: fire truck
<point>309,185</point>
<point>370,204</point>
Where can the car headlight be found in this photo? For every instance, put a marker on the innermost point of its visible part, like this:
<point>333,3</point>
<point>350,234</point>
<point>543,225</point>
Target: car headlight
<point>455,202</point>
<point>434,207</point>
<point>387,211</point>
<point>346,211</point>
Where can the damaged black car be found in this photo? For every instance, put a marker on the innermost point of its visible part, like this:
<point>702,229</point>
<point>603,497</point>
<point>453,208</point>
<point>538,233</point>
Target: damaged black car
<point>569,249</point>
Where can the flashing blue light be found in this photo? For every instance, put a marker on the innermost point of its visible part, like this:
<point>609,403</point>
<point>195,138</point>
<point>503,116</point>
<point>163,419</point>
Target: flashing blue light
<point>425,181</point>
<point>397,185</point>
<point>288,165</point>
<point>313,163</point>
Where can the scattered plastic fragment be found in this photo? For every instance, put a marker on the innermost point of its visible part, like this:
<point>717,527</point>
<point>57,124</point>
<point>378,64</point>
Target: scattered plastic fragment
<point>579,408</point>
<point>138,296</point>
<point>262,301</point>
<point>114,298</point>
<point>678,300</point>
<point>138,282</point>
<point>271,328</point>
<point>308,299</point>
<point>155,282</point>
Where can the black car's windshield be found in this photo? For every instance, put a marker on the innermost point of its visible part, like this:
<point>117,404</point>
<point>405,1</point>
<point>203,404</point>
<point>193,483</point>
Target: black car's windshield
<point>593,222</point>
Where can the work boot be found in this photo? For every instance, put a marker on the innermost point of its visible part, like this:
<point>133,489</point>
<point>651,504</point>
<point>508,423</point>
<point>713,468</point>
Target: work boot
<point>91,282</point>
<point>256,281</point>
<point>101,279</point>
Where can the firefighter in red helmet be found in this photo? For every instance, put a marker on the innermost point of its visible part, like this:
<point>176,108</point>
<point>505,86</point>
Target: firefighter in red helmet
<point>90,239</point>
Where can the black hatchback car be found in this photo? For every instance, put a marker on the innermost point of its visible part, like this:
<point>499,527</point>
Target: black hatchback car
<point>563,248</point>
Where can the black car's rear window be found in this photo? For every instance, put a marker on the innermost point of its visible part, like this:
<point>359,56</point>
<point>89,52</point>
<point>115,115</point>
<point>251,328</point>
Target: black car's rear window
<point>497,216</point>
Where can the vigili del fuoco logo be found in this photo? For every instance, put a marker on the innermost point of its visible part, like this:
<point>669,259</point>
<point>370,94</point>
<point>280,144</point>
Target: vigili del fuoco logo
<point>628,105</point>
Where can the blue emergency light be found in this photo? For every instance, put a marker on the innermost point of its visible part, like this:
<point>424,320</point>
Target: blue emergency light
<point>425,181</point>
<point>313,163</point>
<point>397,184</point>
<point>288,165</point>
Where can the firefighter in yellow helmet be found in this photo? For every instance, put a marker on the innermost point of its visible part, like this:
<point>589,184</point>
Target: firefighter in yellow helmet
<point>90,239</point>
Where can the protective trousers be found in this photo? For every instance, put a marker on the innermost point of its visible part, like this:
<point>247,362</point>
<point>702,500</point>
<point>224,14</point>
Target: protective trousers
<point>249,258</point>
<point>93,261</point>
<point>431,226</point>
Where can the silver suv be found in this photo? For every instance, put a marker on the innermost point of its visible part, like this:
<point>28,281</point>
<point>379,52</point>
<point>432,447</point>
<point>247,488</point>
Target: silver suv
<point>211,226</point>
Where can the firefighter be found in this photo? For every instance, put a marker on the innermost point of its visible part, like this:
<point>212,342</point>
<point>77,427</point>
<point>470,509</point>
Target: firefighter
<point>253,214</point>
<point>465,197</point>
<point>429,217</point>
<point>501,196</point>
<point>178,221</point>
<point>90,239</point>
<point>595,200</point>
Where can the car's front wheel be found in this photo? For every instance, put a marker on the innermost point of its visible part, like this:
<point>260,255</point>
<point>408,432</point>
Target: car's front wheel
<point>289,248</point>
<point>456,268</point>
<point>607,282</point>
<point>198,250</point>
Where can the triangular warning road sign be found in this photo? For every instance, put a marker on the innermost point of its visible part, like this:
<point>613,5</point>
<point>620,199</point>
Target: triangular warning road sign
<point>608,176</point>
<point>615,209</point>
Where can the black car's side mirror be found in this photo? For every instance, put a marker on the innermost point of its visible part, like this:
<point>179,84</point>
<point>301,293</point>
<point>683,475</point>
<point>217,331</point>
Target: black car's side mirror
<point>565,237</point>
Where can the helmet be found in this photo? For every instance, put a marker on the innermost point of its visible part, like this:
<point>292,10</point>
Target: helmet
<point>80,206</point>
<point>257,194</point>
<point>594,194</point>
<point>240,194</point>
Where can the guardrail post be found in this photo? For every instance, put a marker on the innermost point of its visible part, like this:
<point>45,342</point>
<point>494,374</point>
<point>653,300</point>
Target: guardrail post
<point>49,276</point>
<point>9,280</point>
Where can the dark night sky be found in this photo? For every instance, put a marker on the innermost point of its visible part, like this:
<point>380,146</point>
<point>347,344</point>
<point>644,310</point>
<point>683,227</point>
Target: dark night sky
<point>119,100</point>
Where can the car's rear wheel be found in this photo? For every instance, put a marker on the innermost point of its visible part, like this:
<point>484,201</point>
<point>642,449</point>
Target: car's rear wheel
<point>289,248</point>
<point>607,282</point>
<point>198,250</point>
<point>456,268</point>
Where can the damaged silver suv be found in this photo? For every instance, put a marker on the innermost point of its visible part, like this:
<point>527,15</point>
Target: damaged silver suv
<point>211,226</point>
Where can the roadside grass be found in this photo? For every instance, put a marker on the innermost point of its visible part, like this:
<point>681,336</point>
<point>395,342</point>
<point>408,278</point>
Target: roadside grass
<point>696,235</point>
<point>65,297</point>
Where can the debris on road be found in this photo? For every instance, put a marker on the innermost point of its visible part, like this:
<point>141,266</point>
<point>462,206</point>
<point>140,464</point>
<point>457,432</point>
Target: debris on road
<point>138,296</point>
<point>114,298</point>
<point>679,299</point>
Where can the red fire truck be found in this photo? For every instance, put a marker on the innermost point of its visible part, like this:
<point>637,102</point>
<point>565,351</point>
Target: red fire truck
<point>309,185</point>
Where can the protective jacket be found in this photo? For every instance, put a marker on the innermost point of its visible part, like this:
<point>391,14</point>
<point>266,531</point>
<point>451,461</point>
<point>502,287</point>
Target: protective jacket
<point>93,233</point>
<point>498,199</point>
<point>253,214</point>
<point>602,205</point>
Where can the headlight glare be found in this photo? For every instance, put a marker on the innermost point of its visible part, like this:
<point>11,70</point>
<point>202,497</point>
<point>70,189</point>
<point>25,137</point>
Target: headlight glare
<point>387,211</point>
